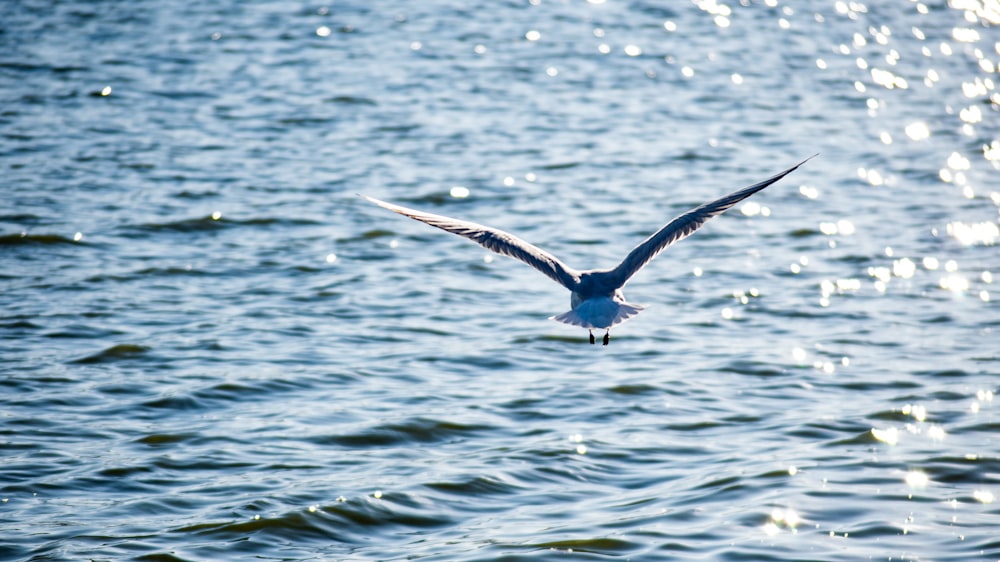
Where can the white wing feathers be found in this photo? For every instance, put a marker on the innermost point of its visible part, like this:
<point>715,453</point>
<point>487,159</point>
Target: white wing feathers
<point>685,225</point>
<point>507,244</point>
<point>496,240</point>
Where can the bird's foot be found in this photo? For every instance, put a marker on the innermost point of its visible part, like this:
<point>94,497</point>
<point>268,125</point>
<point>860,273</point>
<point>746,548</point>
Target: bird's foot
<point>593,340</point>
<point>607,337</point>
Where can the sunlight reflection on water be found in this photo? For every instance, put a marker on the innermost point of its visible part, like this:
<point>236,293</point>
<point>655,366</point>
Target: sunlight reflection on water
<point>209,341</point>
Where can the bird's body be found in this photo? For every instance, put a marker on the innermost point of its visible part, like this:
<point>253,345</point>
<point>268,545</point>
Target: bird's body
<point>596,298</point>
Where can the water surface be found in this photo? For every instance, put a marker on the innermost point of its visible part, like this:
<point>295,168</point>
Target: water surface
<point>213,349</point>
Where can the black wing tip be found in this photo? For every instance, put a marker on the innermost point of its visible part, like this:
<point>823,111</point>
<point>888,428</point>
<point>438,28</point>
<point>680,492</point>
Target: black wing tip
<point>807,159</point>
<point>795,167</point>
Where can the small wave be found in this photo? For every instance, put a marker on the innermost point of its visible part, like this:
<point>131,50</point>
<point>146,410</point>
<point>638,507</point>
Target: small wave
<point>160,439</point>
<point>174,403</point>
<point>25,239</point>
<point>418,430</point>
<point>294,525</point>
<point>20,217</point>
<point>606,546</point>
<point>478,487</point>
<point>354,521</point>
<point>200,224</point>
<point>961,470</point>
<point>555,338</point>
<point>20,325</point>
<point>184,94</point>
<point>216,221</point>
<point>120,352</point>
<point>375,233</point>
<point>753,368</point>
<point>397,128</point>
<point>352,100</point>
<point>385,509</point>
<point>560,165</point>
<point>635,389</point>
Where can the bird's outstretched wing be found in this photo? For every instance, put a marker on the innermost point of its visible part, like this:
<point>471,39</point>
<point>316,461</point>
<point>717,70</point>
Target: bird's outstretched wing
<point>496,240</point>
<point>685,225</point>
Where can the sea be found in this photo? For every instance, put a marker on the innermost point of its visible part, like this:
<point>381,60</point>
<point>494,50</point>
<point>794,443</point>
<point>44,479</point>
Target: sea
<point>211,348</point>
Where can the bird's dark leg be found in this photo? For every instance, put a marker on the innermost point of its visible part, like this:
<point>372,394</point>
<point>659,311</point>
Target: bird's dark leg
<point>593,340</point>
<point>607,337</point>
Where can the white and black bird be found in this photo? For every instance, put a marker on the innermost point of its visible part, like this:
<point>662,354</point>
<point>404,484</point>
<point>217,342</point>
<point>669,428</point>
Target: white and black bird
<point>596,298</point>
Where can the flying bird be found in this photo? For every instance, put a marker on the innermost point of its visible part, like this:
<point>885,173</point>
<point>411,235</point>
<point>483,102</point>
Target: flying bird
<point>596,298</point>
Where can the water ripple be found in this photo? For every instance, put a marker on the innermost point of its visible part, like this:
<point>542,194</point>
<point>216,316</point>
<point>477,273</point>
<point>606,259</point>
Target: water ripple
<point>213,349</point>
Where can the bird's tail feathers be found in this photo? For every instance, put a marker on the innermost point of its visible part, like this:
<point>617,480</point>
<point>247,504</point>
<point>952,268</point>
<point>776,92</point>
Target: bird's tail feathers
<point>581,317</point>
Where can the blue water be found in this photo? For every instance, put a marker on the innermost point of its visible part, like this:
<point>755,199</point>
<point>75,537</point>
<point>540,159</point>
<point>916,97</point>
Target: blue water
<point>213,349</point>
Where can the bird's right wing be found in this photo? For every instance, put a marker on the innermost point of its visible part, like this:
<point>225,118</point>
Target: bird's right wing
<point>495,240</point>
<point>685,225</point>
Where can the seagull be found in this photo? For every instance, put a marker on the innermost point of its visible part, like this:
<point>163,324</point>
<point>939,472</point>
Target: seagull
<point>596,299</point>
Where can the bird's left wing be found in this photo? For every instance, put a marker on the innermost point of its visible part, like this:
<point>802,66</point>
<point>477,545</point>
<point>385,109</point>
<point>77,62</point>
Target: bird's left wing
<point>495,240</point>
<point>685,225</point>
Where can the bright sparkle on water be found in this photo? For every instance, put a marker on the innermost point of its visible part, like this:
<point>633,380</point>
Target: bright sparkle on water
<point>983,496</point>
<point>985,233</point>
<point>889,436</point>
<point>638,104</point>
<point>753,208</point>
<point>904,268</point>
<point>786,518</point>
<point>917,131</point>
<point>917,479</point>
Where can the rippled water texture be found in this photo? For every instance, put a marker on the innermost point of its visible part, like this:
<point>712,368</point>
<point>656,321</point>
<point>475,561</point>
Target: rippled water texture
<point>213,349</point>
